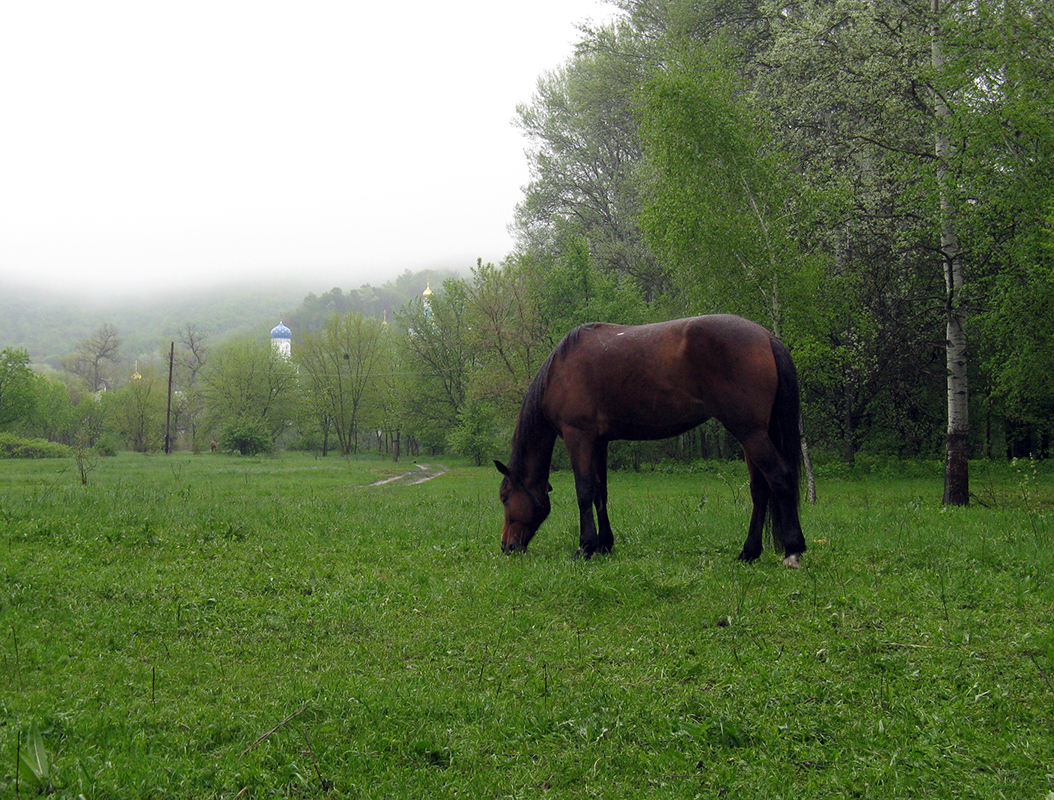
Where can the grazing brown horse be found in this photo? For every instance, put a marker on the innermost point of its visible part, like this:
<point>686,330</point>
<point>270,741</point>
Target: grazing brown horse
<point>605,382</point>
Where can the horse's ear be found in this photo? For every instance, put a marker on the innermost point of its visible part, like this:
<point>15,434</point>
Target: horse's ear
<point>502,468</point>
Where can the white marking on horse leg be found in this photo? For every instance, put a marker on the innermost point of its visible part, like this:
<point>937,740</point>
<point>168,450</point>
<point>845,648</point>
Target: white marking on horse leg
<point>792,561</point>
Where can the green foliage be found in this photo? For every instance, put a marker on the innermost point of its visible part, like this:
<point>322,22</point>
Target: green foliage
<point>33,758</point>
<point>207,626</point>
<point>12,446</point>
<point>247,437</point>
<point>136,412</point>
<point>339,364</point>
<point>1019,342</point>
<point>245,383</point>
<point>819,122</point>
<point>109,446</point>
<point>572,290</point>
<point>54,415</point>
<point>585,156</point>
<point>17,387</point>
<point>474,436</point>
<point>703,152</point>
<point>439,350</point>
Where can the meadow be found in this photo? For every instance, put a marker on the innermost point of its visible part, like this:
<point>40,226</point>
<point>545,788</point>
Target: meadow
<point>206,626</point>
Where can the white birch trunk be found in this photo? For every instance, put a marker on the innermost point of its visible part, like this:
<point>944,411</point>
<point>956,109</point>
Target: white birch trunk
<point>956,459</point>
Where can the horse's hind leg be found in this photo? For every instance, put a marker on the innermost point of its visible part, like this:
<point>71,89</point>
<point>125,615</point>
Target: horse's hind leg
<point>759,495</point>
<point>786,526</point>
<point>772,488</point>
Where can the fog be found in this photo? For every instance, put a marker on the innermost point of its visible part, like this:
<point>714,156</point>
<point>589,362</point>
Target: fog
<point>152,146</point>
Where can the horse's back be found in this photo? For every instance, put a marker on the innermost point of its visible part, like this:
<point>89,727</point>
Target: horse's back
<point>705,346</point>
<point>652,381</point>
<point>730,349</point>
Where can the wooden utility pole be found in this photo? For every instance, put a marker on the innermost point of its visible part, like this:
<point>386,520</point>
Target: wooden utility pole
<point>168,416</point>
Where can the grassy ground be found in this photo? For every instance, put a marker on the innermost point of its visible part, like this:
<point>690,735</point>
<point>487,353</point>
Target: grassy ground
<point>206,626</point>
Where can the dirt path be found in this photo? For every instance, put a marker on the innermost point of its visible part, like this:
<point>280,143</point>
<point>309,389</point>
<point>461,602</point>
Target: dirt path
<point>424,472</point>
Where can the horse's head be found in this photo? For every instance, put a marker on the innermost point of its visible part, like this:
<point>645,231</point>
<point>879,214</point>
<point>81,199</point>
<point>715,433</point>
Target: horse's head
<point>525,510</point>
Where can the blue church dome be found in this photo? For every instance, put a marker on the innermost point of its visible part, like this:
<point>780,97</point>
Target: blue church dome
<point>280,331</point>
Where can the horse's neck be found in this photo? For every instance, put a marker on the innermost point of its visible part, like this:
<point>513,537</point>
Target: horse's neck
<point>533,454</point>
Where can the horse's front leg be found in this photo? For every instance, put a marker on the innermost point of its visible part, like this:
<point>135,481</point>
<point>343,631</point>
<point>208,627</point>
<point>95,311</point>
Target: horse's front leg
<point>580,449</point>
<point>588,540</point>
<point>600,497</point>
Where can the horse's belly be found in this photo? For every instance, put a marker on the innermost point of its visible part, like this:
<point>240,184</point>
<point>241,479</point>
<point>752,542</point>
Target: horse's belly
<point>619,415</point>
<point>640,432</point>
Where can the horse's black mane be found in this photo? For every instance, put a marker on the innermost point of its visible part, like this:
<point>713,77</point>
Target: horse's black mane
<point>531,418</point>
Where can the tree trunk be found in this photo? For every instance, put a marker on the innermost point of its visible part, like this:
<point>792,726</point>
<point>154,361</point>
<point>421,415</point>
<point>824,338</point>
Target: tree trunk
<point>810,477</point>
<point>957,449</point>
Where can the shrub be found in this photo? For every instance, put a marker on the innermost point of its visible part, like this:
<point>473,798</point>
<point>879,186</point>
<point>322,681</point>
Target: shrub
<point>107,446</point>
<point>474,435</point>
<point>246,437</point>
<point>16,447</point>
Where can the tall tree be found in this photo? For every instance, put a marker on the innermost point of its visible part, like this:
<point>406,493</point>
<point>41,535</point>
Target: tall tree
<point>439,356</point>
<point>584,156</point>
<point>249,386</point>
<point>18,387</point>
<point>391,390</point>
<point>957,445</point>
<point>136,411</point>
<point>1018,329</point>
<point>1010,188</point>
<point>94,358</point>
<point>721,205</point>
<point>341,361</point>
<point>508,331</point>
<point>190,361</point>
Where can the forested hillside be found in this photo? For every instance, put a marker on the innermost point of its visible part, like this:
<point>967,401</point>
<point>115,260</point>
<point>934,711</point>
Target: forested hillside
<point>50,325</point>
<point>92,374</point>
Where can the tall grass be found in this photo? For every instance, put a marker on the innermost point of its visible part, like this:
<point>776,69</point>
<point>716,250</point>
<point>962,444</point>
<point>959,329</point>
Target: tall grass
<point>196,627</point>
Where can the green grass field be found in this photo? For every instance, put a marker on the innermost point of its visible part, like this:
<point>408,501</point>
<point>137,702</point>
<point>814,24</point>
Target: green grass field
<point>214,627</point>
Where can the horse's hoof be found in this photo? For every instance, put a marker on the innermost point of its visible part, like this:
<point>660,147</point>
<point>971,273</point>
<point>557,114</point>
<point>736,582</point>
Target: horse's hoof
<point>792,561</point>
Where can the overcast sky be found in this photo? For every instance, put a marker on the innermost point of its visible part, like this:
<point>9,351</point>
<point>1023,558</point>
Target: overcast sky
<point>148,145</point>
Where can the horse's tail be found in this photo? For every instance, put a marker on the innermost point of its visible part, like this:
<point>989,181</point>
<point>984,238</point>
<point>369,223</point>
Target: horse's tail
<point>785,433</point>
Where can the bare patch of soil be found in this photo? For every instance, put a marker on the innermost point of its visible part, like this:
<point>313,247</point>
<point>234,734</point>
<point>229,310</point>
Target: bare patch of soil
<point>422,473</point>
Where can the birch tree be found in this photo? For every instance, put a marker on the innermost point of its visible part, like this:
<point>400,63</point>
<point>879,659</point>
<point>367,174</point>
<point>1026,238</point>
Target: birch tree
<point>957,444</point>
